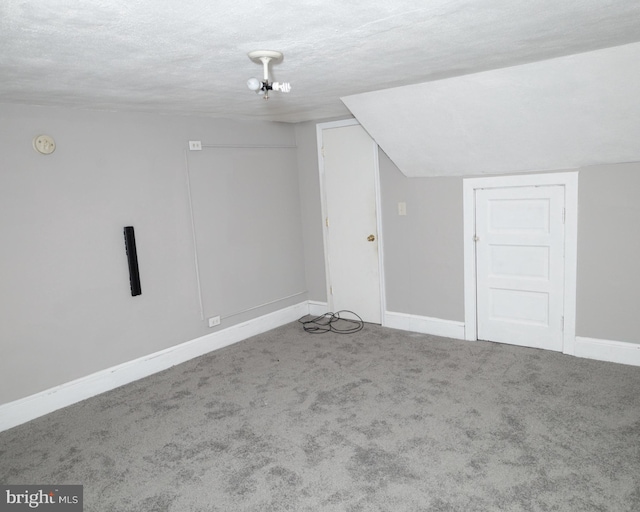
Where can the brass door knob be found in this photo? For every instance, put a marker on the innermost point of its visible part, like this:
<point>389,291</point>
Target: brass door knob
<point>371,238</point>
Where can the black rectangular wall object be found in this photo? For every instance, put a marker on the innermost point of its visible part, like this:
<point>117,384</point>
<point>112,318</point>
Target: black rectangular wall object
<point>132,257</point>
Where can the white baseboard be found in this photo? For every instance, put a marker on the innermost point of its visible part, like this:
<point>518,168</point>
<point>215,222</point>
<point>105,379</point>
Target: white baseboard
<point>424,325</point>
<point>590,348</point>
<point>31,407</point>
<point>317,308</point>
<point>606,350</point>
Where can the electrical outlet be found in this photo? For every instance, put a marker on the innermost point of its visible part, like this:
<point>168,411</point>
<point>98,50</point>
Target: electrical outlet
<point>402,208</point>
<point>214,320</point>
<point>195,145</point>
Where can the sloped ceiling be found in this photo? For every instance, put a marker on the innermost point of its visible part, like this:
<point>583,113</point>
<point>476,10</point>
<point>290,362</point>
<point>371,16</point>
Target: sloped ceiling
<point>190,57</point>
<point>560,113</point>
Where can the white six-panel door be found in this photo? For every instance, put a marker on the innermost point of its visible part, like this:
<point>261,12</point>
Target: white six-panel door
<point>520,265</point>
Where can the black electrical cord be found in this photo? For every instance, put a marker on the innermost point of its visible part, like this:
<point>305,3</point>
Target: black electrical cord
<point>332,322</point>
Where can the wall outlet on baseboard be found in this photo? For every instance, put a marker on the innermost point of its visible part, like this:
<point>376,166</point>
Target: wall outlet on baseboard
<point>195,145</point>
<point>214,320</point>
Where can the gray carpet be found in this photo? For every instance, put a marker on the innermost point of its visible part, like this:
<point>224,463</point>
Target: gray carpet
<point>380,420</point>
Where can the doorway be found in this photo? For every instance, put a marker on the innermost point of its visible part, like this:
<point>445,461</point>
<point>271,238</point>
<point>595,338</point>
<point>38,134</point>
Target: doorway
<point>520,260</point>
<point>350,189</point>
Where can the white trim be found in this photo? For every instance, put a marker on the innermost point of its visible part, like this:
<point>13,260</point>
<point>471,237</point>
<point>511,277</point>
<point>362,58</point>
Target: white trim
<point>193,233</point>
<point>317,308</point>
<point>425,325</point>
<point>337,124</point>
<point>376,178</point>
<point>31,407</point>
<point>323,204</point>
<point>621,352</point>
<point>607,350</point>
<point>570,261</point>
<point>569,180</point>
<point>469,222</point>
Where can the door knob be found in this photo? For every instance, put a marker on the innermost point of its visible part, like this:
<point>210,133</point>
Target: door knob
<point>371,238</point>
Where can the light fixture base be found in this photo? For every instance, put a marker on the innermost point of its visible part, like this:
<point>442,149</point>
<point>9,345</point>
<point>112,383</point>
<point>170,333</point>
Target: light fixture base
<point>258,55</point>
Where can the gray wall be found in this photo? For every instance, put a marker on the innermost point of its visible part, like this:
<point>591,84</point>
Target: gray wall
<point>309,179</point>
<point>608,301</point>
<point>65,302</point>
<point>424,250</point>
<point>66,307</point>
<point>248,229</point>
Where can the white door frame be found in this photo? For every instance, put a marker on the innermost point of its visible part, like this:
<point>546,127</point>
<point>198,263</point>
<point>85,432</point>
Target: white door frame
<point>323,198</point>
<point>569,180</point>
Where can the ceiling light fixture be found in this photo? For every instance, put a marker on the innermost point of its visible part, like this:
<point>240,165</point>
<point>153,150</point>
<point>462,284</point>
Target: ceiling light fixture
<point>263,86</point>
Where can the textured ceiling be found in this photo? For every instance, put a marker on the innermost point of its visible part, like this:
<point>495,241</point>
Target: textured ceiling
<point>562,113</point>
<point>190,57</point>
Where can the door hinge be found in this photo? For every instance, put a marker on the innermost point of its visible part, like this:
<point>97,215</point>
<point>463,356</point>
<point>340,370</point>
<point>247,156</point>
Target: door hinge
<point>326,221</point>
<point>562,319</point>
<point>322,151</point>
<point>476,238</point>
<point>564,215</point>
<point>331,290</point>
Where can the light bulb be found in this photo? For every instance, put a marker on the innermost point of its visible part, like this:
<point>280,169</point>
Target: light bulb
<point>254,84</point>
<point>281,86</point>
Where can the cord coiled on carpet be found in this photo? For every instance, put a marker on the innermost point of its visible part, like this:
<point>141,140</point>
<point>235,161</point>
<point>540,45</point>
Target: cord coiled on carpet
<point>332,322</point>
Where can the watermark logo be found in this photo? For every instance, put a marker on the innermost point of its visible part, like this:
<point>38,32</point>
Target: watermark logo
<point>45,498</point>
